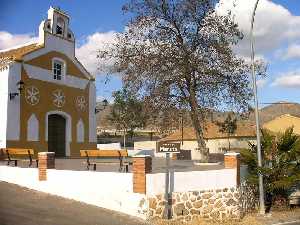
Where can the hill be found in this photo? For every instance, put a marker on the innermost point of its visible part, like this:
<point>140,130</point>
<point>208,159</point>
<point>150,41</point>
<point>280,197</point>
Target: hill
<point>277,109</point>
<point>101,117</point>
<point>266,114</point>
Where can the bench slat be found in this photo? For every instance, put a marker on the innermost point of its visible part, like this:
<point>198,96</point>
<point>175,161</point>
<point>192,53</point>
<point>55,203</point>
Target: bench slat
<point>104,153</point>
<point>19,151</point>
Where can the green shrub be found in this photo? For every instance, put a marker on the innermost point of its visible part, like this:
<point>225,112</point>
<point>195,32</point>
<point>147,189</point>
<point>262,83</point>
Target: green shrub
<point>281,164</point>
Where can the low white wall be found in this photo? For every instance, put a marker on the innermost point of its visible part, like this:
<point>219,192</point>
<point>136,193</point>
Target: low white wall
<point>144,145</point>
<point>110,146</point>
<point>104,189</point>
<point>135,152</point>
<point>147,148</point>
<point>192,181</point>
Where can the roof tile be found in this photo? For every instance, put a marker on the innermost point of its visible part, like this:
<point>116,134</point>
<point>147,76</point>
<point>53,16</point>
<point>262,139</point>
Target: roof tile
<point>18,53</point>
<point>212,131</point>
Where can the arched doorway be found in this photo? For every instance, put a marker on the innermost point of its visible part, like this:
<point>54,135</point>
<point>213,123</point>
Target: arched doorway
<point>57,135</point>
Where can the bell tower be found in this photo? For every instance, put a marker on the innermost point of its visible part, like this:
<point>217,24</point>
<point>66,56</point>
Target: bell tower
<point>57,24</point>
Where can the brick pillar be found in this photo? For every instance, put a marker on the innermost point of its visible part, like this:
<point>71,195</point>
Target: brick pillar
<point>174,156</point>
<point>46,161</point>
<point>141,166</point>
<point>231,161</point>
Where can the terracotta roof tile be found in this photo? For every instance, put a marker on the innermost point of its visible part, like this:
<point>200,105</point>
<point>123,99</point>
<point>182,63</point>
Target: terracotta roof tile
<point>244,129</point>
<point>7,57</point>
<point>18,53</point>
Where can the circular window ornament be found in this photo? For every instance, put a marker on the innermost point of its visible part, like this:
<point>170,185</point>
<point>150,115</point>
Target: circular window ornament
<point>58,98</point>
<point>81,102</point>
<point>32,95</point>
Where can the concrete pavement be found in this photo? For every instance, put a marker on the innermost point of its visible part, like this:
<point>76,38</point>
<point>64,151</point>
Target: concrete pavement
<point>21,206</point>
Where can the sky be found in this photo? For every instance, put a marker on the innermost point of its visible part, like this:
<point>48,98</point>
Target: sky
<point>95,22</point>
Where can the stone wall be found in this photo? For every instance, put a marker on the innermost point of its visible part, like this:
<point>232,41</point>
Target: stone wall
<point>212,204</point>
<point>249,197</point>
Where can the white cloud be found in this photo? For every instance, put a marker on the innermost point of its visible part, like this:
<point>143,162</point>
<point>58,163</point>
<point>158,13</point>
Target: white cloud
<point>101,98</point>
<point>292,52</point>
<point>261,83</point>
<point>289,80</point>
<point>8,40</point>
<point>87,52</point>
<point>273,26</point>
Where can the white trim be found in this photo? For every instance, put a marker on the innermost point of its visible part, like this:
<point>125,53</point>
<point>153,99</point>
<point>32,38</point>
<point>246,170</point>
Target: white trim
<point>80,131</point>
<point>38,73</point>
<point>92,116</point>
<point>68,128</point>
<point>13,106</point>
<point>4,74</point>
<point>232,154</point>
<point>32,128</point>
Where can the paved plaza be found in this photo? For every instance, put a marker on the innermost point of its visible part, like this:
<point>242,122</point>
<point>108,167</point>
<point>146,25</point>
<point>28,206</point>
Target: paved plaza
<point>158,165</point>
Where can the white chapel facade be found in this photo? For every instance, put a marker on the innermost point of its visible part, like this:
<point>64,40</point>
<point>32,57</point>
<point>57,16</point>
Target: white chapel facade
<point>47,97</point>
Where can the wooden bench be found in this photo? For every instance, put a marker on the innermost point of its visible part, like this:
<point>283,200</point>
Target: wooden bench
<point>121,155</point>
<point>18,154</point>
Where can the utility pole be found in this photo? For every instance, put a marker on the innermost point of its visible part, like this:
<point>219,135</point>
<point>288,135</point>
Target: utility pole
<point>260,176</point>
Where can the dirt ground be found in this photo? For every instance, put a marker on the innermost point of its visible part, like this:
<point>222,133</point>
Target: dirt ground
<point>275,217</point>
<point>21,206</point>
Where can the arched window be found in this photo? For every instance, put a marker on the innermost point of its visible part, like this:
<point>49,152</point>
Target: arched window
<point>58,68</point>
<point>32,128</point>
<point>60,26</point>
<point>80,131</point>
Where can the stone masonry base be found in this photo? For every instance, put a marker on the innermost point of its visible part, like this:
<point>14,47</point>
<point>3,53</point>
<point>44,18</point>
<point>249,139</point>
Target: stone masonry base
<point>211,204</point>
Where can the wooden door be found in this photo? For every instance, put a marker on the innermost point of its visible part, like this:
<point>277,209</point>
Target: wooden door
<point>57,135</point>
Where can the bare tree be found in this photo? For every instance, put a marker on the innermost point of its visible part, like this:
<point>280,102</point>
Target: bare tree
<point>179,53</point>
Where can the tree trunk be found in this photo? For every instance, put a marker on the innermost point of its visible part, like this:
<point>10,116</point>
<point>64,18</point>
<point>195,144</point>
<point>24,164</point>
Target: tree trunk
<point>228,143</point>
<point>124,139</point>
<point>198,129</point>
<point>131,134</point>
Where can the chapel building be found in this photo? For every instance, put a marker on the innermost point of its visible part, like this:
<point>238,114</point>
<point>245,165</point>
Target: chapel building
<point>47,97</point>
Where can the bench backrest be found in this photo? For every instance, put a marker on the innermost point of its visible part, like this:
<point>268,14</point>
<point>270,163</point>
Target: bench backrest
<point>18,151</point>
<point>104,153</point>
